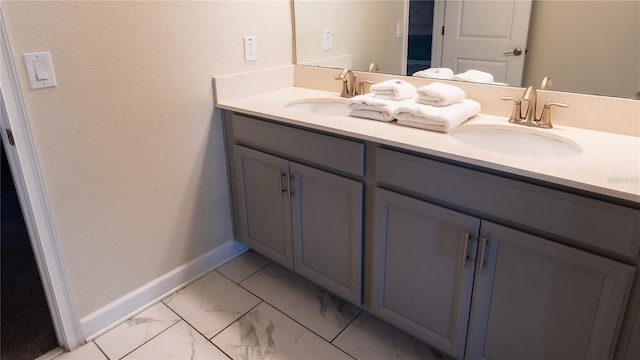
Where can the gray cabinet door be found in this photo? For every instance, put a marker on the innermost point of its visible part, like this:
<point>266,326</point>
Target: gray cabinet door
<point>327,230</point>
<point>423,261</point>
<point>536,299</point>
<point>263,204</point>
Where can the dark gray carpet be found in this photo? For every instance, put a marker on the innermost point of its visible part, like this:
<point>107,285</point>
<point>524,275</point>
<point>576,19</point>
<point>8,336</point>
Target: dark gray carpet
<point>26,329</point>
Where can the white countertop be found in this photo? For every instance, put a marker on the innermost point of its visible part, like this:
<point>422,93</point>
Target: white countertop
<point>609,163</point>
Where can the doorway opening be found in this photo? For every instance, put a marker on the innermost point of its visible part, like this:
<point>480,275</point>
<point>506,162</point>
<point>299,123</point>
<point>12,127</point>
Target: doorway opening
<point>420,35</point>
<point>27,328</point>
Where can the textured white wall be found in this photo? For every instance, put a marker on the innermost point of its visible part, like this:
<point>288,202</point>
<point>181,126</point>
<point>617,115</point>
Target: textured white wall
<point>131,154</point>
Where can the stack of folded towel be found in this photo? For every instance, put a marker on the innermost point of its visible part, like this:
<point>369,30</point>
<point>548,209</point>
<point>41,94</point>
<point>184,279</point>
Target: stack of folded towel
<point>393,90</point>
<point>438,107</point>
<point>439,94</point>
<point>436,118</point>
<point>384,99</point>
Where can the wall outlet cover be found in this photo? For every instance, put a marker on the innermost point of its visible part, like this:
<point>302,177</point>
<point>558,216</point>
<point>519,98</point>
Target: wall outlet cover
<point>250,48</point>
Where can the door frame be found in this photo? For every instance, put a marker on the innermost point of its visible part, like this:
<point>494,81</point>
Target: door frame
<point>33,199</point>
<point>437,38</point>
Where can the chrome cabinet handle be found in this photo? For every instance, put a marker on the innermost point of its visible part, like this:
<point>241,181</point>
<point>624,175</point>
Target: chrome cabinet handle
<point>469,250</point>
<point>291,187</point>
<point>465,249</point>
<point>282,188</point>
<point>482,249</point>
<point>517,52</point>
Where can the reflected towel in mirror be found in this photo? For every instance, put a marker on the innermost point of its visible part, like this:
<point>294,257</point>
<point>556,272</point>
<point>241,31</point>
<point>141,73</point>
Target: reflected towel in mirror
<point>435,73</point>
<point>474,76</point>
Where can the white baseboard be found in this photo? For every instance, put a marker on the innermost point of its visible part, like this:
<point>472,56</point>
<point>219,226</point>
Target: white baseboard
<point>109,316</point>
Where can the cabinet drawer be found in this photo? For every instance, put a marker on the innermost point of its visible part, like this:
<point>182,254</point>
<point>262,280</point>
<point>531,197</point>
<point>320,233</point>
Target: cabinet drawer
<point>607,226</point>
<point>336,153</point>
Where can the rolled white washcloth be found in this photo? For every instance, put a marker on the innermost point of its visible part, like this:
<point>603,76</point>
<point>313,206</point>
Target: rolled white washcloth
<point>394,89</point>
<point>442,119</point>
<point>369,107</point>
<point>474,76</point>
<point>439,94</point>
<point>435,73</point>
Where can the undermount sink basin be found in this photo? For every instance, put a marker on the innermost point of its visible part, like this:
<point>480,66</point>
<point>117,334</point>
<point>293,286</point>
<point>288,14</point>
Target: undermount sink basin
<point>517,140</point>
<point>326,107</point>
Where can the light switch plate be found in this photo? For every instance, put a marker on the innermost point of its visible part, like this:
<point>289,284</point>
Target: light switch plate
<point>399,28</point>
<point>38,65</point>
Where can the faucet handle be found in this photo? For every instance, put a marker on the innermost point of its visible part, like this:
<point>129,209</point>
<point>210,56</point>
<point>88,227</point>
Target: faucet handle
<point>545,117</point>
<point>361,88</point>
<point>516,115</point>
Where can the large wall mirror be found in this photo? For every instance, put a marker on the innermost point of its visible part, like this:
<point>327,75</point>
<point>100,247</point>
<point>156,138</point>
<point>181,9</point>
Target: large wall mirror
<point>585,46</point>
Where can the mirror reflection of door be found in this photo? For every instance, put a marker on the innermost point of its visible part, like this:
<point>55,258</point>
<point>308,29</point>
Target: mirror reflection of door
<point>480,34</point>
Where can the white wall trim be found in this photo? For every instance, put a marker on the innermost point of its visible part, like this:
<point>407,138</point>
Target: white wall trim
<point>109,316</point>
<point>34,202</point>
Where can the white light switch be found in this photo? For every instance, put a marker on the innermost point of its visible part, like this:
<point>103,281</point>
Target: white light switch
<point>39,70</point>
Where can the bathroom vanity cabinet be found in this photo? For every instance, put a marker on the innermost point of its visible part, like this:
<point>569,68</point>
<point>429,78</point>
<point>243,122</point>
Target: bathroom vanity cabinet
<point>532,297</point>
<point>476,263</point>
<point>306,218</point>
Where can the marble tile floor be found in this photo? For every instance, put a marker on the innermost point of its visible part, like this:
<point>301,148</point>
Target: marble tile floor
<point>247,309</point>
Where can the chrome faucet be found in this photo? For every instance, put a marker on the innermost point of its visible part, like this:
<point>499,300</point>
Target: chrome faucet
<point>531,97</point>
<point>349,87</point>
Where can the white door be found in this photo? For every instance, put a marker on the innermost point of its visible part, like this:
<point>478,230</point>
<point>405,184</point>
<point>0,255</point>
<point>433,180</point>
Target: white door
<point>478,33</point>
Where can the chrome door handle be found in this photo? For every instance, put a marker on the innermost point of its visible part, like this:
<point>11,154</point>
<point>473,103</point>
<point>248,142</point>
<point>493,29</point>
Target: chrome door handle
<point>517,52</point>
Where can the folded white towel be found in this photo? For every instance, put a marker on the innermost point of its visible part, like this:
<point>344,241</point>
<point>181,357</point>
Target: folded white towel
<point>443,118</point>
<point>393,90</point>
<point>374,114</point>
<point>435,73</point>
<point>474,76</point>
<point>369,107</point>
<point>439,94</point>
